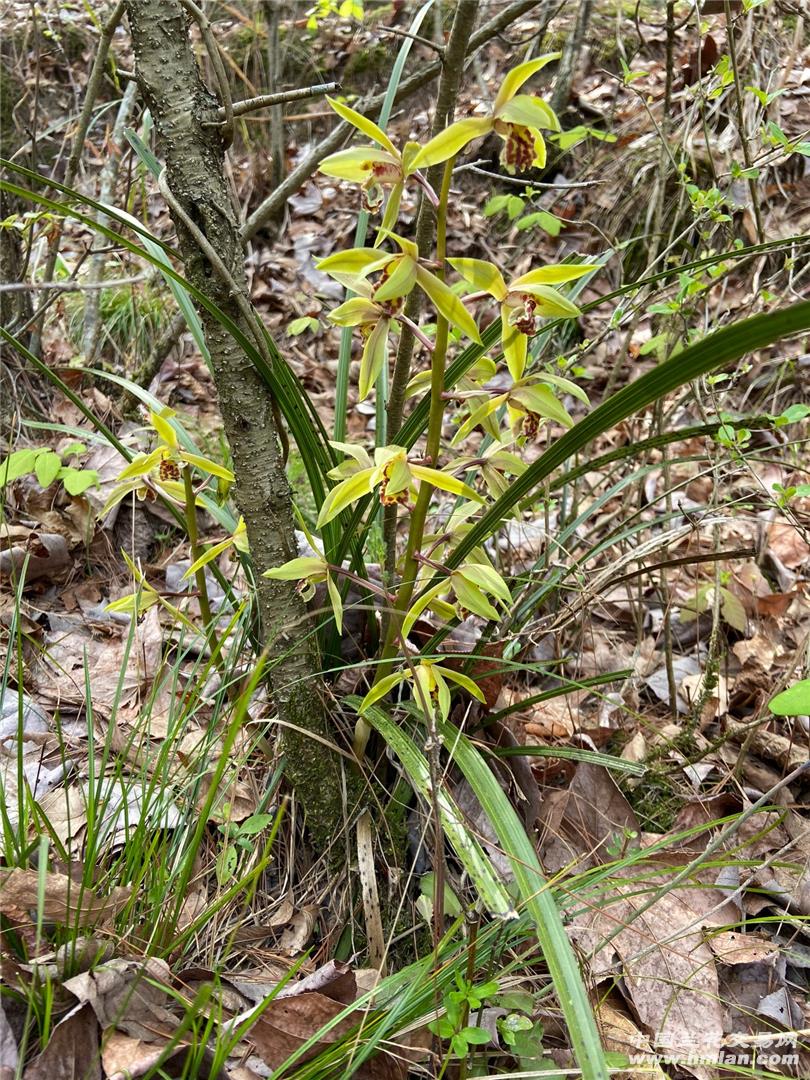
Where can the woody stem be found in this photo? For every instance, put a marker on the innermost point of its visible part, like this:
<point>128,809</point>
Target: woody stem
<point>196,553</point>
<point>433,445</point>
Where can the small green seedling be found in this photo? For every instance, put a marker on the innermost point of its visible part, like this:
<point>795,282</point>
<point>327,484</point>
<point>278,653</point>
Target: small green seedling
<point>49,466</point>
<point>239,836</point>
<point>458,1004</point>
<point>795,701</point>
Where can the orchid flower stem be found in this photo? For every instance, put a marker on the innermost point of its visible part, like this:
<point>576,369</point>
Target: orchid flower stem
<point>417,333</point>
<point>433,445</point>
<point>196,553</point>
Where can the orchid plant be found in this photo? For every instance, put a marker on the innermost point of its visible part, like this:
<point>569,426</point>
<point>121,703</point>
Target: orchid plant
<point>509,406</point>
<point>504,395</point>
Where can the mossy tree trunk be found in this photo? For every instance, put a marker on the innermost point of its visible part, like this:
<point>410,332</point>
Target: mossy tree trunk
<point>194,156</point>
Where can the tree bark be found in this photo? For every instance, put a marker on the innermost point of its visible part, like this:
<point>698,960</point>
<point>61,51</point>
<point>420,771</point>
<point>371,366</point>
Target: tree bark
<point>194,156</point>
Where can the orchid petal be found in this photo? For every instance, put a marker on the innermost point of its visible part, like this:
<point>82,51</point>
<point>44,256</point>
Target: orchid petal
<point>362,123</point>
<point>354,261</point>
<point>345,493</point>
<point>448,142</point>
<point>207,465</point>
<point>400,281</point>
<point>518,76</point>
<point>554,275</point>
<point>462,680</point>
<point>352,450</point>
<point>141,464</point>
<point>487,577</point>
<point>160,422</point>
<point>472,599</point>
<point>424,601</point>
<point>380,689</point>
<point>355,164</point>
<point>304,567</point>
<point>448,304</point>
<point>550,302</point>
<point>391,213</point>
<point>481,275</point>
<point>444,481</point>
<point>542,402</point>
<point>336,601</point>
<point>530,112</point>
<point>515,345</point>
<point>355,311</point>
<point>375,355</point>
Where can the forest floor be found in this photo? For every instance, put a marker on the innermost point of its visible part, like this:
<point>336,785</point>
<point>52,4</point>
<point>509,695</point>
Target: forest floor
<point>672,604</point>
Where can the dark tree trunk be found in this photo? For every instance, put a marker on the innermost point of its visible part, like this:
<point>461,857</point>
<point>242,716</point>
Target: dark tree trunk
<point>194,156</point>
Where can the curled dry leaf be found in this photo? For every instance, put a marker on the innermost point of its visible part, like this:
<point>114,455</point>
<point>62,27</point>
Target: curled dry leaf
<point>64,900</point>
<point>770,745</point>
<point>666,968</point>
<point>551,720</point>
<point>129,995</point>
<point>59,673</point>
<point>42,556</point>
<point>288,1023</point>
<point>787,543</point>
<point>299,931</point>
<point>621,1036</point>
<point>9,1055</point>
<point>732,948</point>
<point>583,824</point>
<point>72,1050</point>
<point>126,1058</point>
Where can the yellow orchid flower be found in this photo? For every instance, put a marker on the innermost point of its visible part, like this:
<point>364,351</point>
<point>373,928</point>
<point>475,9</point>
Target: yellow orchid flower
<point>400,273</point>
<point>238,540</point>
<point>374,320</point>
<point>523,300</point>
<point>430,687</point>
<point>310,570</point>
<point>473,584</point>
<point>527,401</point>
<point>495,465</point>
<point>145,597</point>
<point>162,467</point>
<point>517,118</point>
<point>392,473</point>
<point>374,167</point>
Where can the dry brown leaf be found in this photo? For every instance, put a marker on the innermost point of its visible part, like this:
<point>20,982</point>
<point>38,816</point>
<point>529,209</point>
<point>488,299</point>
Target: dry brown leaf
<point>283,913</point>
<point>124,1057</point>
<point>43,556</point>
<point>731,947</point>
<point>9,1055</point>
<point>128,995</point>
<point>635,749</point>
<point>295,937</point>
<point>335,980</point>
<point>758,651</point>
<point>194,904</point>
<point>64,900</point>
<point>66,811</point>
<point>59,673</point>
<point>787,544</point>
<point>667,969</point>
<point>771,745</point>
<point>235,800</point>
<point>579,823</point>
<point>72,1050</point>
<point>717,699</point>
<point>288,1023</point>
<point>621,1036</point>
<point>368,883</point>
<point>552,720</point>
